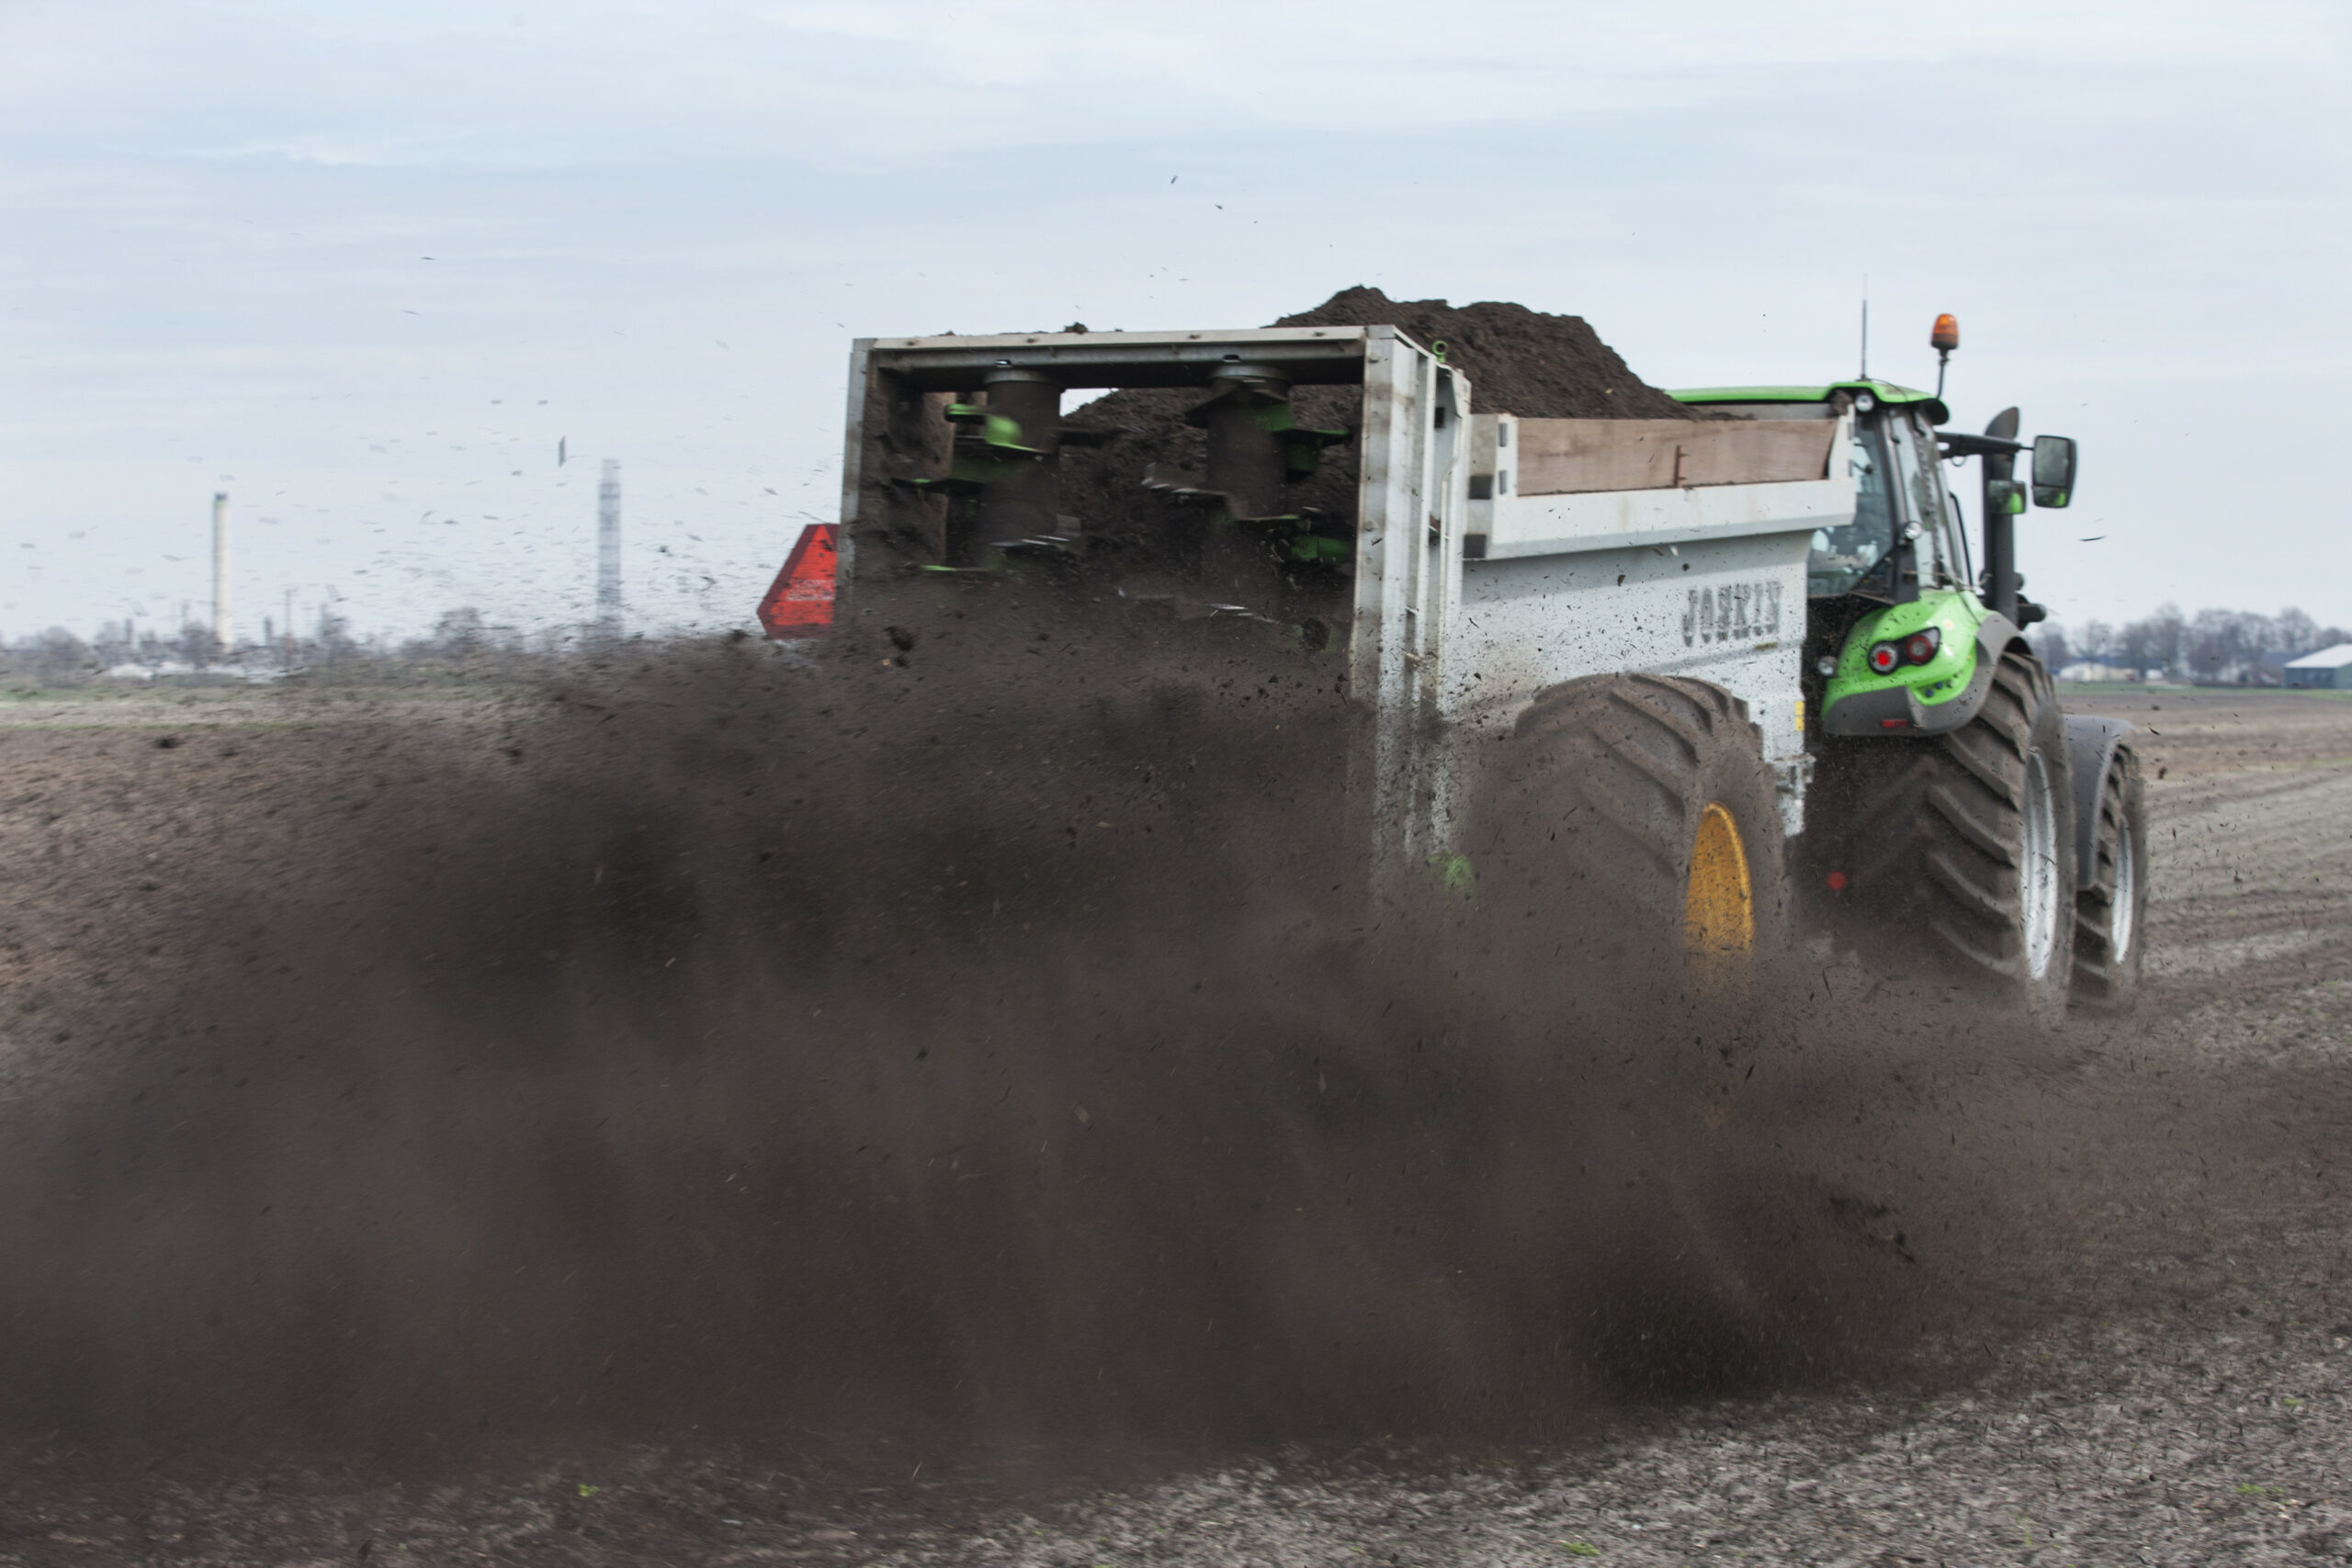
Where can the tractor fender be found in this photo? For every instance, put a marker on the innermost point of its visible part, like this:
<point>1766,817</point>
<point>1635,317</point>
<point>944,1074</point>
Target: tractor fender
<point>1893,708</point>
<point>2091,746</point>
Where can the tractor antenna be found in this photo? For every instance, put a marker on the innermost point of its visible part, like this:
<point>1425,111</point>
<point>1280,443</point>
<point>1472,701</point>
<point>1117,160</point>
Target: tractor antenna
<point>1866,327</point>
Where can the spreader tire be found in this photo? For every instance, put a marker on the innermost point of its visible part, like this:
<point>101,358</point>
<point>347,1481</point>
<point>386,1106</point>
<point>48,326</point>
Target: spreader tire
<point>1632,817</point>
<point>1957,851</point>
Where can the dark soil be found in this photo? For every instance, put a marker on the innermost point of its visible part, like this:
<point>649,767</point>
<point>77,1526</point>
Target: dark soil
<point>1519,361</point>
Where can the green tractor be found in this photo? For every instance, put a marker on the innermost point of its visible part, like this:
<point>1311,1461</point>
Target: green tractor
<point>1958,817</point>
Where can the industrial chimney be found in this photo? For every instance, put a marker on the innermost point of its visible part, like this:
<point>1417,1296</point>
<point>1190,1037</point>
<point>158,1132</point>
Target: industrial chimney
<point>608,552</point>
<point>222,632</point>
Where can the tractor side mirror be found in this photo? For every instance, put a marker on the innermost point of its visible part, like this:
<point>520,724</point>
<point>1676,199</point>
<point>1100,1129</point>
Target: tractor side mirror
<point>2054,469</point>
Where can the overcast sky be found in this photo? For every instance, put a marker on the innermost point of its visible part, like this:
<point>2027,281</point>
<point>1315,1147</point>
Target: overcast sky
<point>363,265</point>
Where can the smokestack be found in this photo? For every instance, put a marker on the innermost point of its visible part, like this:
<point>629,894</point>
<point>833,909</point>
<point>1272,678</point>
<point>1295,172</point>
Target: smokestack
<point>608,551</point>
<point>220,628</point>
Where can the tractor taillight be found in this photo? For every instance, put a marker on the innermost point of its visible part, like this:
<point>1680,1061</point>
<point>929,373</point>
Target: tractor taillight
<point>1920,647</point>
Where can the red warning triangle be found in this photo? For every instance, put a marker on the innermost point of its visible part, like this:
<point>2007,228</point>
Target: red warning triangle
<point>800,601</point>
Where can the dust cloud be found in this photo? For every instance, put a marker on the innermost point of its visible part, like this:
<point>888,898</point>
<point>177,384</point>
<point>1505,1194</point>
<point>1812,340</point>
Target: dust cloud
<point>982,1032</point>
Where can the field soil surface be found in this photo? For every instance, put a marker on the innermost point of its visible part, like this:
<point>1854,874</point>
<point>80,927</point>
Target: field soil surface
<point>2141,1351</point>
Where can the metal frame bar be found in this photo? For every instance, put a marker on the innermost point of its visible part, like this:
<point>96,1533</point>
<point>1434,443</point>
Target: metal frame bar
<point>1323,357</point>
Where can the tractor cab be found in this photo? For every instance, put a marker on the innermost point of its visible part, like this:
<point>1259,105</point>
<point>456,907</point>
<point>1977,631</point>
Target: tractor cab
<point>1906,534</point>
<point>1898,575</point>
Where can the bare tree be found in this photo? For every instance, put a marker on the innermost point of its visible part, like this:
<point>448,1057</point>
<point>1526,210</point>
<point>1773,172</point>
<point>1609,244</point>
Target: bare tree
<point>2050,645</point>
<point>2153,643</point>
<point>58,658</point>
<point>2295,633</point>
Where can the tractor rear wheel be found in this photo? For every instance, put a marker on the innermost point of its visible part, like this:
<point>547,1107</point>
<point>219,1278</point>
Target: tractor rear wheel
<point>1958,849</point>
<point>1632,821</point>
<point>2111,909</point>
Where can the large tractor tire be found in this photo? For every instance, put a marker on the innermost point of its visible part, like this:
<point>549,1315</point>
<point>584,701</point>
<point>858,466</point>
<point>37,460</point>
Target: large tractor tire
<point>1631,819</point>
<point>1957,851</point>
<point>2111,907</point>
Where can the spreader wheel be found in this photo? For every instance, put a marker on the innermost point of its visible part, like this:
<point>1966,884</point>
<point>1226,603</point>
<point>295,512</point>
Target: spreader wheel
<point>1632,819</point>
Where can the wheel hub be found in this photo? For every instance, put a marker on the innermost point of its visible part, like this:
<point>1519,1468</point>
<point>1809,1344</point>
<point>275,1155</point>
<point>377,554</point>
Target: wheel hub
<point>1719,905</point>
<point>2038,873</point>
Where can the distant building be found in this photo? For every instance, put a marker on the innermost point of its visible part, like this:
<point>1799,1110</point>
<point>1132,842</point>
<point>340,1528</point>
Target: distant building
<point>2328,670</point>
<point>2092,671</point>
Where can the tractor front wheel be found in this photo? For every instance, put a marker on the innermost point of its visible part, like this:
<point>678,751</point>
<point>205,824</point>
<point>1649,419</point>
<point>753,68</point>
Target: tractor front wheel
<point>1958,850</point>
<point>2112,906</point>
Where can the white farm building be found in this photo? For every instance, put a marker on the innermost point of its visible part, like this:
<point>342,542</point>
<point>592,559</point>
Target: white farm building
<point>2328,669</point>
